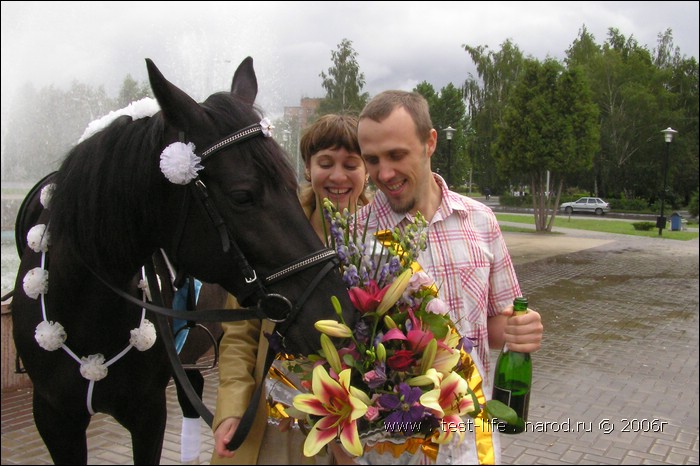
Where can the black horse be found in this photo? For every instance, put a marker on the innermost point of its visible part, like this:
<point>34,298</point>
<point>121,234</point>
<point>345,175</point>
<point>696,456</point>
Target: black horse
<point>204,184</point>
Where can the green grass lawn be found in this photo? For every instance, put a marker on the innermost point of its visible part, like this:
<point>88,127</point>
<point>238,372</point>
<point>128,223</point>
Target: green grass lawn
<point>594,224</point>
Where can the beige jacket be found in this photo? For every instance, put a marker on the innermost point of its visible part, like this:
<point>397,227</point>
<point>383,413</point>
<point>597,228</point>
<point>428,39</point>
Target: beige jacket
<point>241,362</point>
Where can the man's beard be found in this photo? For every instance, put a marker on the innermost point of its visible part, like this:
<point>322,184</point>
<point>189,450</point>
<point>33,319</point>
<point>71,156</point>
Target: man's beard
<point>401,207</point>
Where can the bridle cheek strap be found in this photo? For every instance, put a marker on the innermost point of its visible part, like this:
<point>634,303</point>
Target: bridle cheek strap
<point>202,193</point>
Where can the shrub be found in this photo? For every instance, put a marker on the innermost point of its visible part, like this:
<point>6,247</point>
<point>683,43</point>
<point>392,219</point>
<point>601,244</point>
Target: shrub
<point>638,205</point>
<point>644,226</point>
<point>514,201</point>
<point>693,205</point>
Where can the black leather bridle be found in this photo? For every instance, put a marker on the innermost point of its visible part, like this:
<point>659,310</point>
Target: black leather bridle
<point>266,305</point>
<point>275,307</point>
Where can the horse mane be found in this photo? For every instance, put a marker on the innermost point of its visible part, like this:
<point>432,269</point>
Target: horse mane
<point>104,194</point>
<point>109,188</point>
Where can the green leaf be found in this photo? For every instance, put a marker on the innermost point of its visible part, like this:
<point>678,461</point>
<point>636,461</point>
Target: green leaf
<point>500,410</point>
<point>348,360</point>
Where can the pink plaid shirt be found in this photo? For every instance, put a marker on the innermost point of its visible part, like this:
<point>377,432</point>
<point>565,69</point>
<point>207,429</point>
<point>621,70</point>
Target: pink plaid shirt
<point>466,256</point>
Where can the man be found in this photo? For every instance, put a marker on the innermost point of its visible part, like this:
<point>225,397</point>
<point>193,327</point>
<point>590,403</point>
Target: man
<point>466,254</point>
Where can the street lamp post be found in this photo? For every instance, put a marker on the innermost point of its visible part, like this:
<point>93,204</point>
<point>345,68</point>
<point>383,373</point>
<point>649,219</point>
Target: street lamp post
<point>668,137</point>
<point>449,132</point>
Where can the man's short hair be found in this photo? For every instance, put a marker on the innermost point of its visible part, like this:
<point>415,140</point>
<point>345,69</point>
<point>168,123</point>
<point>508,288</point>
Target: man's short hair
<point>381,106</point>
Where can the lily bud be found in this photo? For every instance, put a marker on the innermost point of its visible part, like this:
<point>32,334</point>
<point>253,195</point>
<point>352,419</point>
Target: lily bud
<point>428,356</point>
<point>389,322</point>
<point>333,328</point>
<point>336,306</point>
<point>331,353</point>
<point>395,291</point>
<point>431,376</point>
<point>419,381</point>
<point>381,352</point>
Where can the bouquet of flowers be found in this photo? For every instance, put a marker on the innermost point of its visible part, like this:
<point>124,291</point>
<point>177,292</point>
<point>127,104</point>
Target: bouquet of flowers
<point>403,372</point>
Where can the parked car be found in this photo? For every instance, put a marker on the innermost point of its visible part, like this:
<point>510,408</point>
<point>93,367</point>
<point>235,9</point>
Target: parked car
<point>586,204</point>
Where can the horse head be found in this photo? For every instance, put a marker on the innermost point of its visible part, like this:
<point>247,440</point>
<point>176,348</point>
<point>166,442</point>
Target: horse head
<point>231,214</point>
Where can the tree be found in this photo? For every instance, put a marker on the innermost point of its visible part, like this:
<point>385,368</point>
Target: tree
<point>681,80</point>
<point>43,125</point>
<point>343,83</point>
<point>549,125</point>
<point>486,98</point>
<point>132,91</point>
<point>448,109</point>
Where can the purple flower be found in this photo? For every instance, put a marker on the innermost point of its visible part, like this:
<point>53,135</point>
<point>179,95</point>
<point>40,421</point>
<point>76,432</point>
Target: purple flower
<point>394,265</point>
<point>466,343</point>
<point>350,277</point>
<point>404,406</point>
<point>343,253</point>
<point>275,341</point>
<point>362,331</point>
<point>376,377</point>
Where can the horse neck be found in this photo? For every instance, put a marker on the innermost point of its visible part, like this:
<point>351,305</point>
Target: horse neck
<point>71,272</point>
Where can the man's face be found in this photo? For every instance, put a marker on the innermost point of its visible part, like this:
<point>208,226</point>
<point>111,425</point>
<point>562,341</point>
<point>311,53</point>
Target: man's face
<point>397,161</point>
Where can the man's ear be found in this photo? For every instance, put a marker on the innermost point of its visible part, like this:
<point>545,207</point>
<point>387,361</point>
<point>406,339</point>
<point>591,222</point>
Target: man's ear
<point>431,143</point>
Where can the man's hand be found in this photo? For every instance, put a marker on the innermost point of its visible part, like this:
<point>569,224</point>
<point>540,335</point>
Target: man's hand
<point>523,333</point>
<point>224,434</point>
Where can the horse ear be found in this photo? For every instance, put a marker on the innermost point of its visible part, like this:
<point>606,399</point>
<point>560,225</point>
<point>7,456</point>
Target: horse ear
<point>245,84</point>
<point>179,109</point>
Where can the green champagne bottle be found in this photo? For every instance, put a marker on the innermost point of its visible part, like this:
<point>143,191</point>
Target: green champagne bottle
<point>513,379</point>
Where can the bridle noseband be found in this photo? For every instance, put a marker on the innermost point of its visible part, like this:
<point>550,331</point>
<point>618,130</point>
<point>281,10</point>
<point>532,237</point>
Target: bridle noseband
<point>276,307</point>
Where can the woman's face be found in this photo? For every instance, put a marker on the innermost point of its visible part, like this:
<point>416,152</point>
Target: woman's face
<point>338,175</point>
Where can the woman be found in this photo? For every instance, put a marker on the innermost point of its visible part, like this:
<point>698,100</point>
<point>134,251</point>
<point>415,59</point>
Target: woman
<point>335,169</point>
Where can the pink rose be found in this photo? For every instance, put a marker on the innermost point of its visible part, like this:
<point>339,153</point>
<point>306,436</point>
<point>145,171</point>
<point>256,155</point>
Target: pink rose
<point>401,361</point>
<point>372,413</point>
<point>437,306</point>
<point>419,280</point>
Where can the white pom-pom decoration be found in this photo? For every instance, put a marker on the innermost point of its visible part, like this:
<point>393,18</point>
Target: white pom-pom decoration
<point>143,108</point>
<point>144,337</point>
<point>38,238</point>
<point>179,163</point>
<point>266,127</point>
<point>50,335</point>
<point>46,193</point>
<point>36,282</point>
<point>93,367</point>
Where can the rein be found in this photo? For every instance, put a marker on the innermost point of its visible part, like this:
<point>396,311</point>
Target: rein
<point>260,311</point>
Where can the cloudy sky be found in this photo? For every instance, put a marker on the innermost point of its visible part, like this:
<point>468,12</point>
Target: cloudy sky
<point>399,44</point>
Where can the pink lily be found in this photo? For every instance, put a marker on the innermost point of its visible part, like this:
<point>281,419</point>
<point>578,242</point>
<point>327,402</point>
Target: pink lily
<point>419,339</point>
<point>339,406</point>
<point>394,334</point>
<point>367,299</point>
<point>449,401</point>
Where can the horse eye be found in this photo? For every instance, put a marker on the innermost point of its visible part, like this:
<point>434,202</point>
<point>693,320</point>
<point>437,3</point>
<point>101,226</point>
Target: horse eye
<point>241,198</point>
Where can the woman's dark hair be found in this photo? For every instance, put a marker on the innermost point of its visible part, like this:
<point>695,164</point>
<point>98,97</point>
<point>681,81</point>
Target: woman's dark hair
<point>330,132</point>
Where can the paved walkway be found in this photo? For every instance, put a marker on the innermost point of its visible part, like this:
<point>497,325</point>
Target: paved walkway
<point>616,380</point>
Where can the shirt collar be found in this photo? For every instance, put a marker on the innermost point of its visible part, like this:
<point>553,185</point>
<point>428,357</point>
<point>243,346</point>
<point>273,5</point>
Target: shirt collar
<point>450,202</point>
